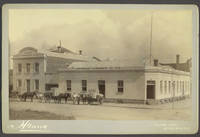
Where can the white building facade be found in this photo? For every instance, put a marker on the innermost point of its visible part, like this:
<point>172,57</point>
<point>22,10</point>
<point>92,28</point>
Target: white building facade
<point>35,70</point>
<point>126,83</point>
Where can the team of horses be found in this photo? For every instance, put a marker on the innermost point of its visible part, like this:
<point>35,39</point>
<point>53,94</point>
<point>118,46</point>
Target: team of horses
<point>48,97</point>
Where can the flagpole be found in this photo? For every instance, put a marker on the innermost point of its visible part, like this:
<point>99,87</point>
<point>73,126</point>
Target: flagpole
<point>151,38</point>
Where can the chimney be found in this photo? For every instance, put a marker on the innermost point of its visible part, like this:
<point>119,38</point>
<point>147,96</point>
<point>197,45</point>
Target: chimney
<point>80,52</point>
<point>59,49</point>
<point>177,58</point>
<point>155,62</point>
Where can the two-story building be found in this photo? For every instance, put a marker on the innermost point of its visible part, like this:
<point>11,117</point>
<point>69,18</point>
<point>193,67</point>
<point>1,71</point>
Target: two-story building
<point>37,69</point>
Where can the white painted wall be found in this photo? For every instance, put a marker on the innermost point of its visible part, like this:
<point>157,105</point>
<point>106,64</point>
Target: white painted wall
<point>168,77</point>
<point>32,75</point>
<point>133,82</point>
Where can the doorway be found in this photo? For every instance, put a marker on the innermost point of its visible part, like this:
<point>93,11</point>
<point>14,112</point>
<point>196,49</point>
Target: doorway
<point>150,89</point>
<point>102,87</point>
<point>28,85</point>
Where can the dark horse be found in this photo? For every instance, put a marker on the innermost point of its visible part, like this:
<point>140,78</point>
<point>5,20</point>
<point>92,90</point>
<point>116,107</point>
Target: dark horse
<point>48,96</point>
<point>61,96</point>
<point>30,95</point>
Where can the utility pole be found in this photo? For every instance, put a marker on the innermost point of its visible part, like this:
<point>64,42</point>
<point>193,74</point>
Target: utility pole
<point>150,55</point>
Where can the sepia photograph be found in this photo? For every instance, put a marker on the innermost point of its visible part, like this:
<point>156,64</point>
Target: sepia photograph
<point>100,63</point>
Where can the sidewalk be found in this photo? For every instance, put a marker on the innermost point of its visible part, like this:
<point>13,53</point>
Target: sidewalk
<point>176,105</point>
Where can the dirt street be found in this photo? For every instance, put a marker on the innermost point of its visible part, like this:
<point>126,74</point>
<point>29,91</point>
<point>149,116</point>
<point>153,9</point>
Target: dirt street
<point>181,110</point>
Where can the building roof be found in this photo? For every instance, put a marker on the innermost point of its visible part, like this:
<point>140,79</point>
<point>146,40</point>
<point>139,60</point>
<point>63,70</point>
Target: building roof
<point>67,55</point>
<point>104,65</point>
<point>180,66</point>
<point>118,66</point>
<point>30,52</point>
<point>60,49</point>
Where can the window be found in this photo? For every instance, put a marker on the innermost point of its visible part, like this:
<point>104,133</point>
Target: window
<point>37,67</point>
<point>28,85</point>
<point>36,84</point>
<point>165,86</point>
<point>19,83</point>
<point>28,67</point>
<point>68,85</point>
<point>84,85</point>
<point>173,87</point>
<point>169,86</point>
<point>120,84</point>
<point>180,86</point>
<point>177,86</point>
<point>186,86</point>
<point>19,68</point>
<point>161,87</point>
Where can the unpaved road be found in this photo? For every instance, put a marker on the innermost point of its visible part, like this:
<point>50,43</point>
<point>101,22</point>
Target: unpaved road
<point>182,110</point>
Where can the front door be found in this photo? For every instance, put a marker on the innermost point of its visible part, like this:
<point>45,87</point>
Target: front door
<point>28,85</point>
<point>150,89</point>
<point>102,87</point>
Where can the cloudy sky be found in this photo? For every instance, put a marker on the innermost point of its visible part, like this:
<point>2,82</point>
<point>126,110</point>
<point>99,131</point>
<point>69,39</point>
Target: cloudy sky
<point>104,33</point>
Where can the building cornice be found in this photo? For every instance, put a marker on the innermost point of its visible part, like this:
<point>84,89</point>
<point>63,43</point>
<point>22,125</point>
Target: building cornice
<point>27,57</point>
<point>175,72</point>
<point>138,69</point>
<point>102,69</point>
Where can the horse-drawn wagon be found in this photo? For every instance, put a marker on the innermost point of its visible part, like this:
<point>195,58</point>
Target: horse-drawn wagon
<point>87,97</point>
<point>56,95</point>
<point>94,96</point>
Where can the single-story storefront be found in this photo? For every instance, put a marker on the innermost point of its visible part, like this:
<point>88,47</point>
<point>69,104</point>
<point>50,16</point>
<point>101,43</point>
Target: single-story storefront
<point>125,82</point>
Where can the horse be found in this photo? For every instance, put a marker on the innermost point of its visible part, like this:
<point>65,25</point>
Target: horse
<point>48,96</point>
<point>62,96</point>
<point>30,95</point>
